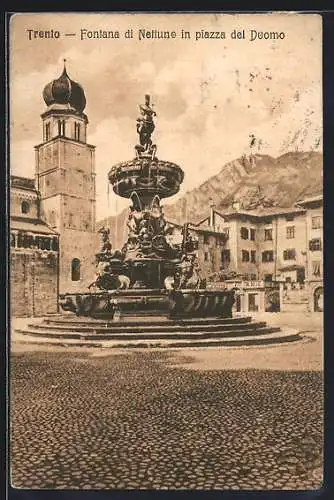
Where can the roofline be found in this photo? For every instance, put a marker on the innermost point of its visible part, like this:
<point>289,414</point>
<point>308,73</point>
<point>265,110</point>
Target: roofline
<point>19,186</point>
<point>283,212</point>
<point>280,211</point>
<point>65,139</point>
<point>37,222</point>
<point>310,199</point>
<point>201,221</point>
<point>207,230</point>
<point>219,213</point>
<point>65,111</point>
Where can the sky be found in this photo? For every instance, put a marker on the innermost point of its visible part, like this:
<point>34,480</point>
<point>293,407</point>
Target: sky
<point>211,95</point>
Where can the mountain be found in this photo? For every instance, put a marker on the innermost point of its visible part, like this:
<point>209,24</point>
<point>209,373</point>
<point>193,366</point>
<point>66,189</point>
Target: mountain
<point>256,181</point>
<point>279,181</point>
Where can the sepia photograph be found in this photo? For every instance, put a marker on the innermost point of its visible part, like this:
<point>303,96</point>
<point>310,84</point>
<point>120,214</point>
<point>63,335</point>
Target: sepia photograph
<point>166,251</point>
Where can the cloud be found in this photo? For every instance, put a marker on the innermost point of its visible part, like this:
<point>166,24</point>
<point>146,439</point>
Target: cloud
<point>209,95</point>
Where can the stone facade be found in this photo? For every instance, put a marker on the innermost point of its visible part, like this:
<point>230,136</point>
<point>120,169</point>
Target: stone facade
<point>33,284</point>
<point>34,254</point>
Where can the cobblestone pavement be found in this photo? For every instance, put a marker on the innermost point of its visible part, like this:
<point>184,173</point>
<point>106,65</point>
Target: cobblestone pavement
<point>137,421</point>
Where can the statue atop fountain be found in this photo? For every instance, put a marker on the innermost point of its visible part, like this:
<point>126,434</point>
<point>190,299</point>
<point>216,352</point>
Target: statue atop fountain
<point>145,128</point>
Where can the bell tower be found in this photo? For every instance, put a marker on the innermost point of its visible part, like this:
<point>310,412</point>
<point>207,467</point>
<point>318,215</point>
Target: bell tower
<point>65,179</point>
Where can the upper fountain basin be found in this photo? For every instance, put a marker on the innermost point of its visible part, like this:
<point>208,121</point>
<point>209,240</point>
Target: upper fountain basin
<point>146,176</point>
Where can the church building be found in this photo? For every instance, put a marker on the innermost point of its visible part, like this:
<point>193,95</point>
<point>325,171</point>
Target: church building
<point>52,217</point>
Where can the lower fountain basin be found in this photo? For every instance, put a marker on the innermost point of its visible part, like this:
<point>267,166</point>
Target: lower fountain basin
<point>118,304</point>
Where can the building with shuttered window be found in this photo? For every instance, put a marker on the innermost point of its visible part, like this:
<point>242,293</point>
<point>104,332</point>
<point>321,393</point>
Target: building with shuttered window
<point>282,246</point>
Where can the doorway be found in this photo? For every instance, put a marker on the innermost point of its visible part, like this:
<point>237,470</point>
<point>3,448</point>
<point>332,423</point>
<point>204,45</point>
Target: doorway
<point>252,302</point>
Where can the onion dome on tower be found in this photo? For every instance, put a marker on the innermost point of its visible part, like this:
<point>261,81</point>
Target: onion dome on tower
<point>65,91</point>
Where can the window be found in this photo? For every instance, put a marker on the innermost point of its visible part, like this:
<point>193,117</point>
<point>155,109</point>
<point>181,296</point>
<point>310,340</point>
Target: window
<point>47,132</point>
<point>316,268</point>
<point>290,232</point>
<point>75,270</point>
<point>245,255</point>
<point>25,207</point>
<point>315,244</point>
<point>12,240</point>
<point>253,256</point>
<point>244,233</point>
<point>61,127</point>
<point>268,256</point>
<point>316,222</point>
<point>77,131</point>
<point>206,239</point>
<point>268,220</point>
<point>226,256</point>
<point>45,243</point>
<point>289,254</point>
<point>52,218</point>
<point>221,239</point>
<point>206,256</point>
<point>268,234</point>
<point>252,234</point>
<point>268,277</point>
<point>290,217</point>
<point>54,244</point>
<point>252,277</point>
<point>25,240</point>
<point>226,233</point>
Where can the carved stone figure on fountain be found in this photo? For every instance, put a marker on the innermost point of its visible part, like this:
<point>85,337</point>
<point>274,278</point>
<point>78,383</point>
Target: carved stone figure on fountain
<point>106,253</point>
<point>106,279</point>
<point>145,127</point>
<point>189,272</point>
<point>186,276</point>
<point>132,227</point>
<point>189,242</point>
<point>145,236</point>
<point>106,247</point>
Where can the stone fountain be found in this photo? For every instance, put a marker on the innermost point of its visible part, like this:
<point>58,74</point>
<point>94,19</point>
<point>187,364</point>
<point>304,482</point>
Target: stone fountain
<point>150,275</point>
<point>149,293</point>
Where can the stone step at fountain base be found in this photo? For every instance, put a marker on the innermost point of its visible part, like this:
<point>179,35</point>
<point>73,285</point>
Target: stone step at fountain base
<point>122,330</point>
<point>157,333</point>
<point>140,319</point>
<point>254,340</point>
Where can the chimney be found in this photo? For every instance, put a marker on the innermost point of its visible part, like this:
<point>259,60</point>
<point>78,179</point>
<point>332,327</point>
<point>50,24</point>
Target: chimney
<point>212,214</point>
<point>236,205</point>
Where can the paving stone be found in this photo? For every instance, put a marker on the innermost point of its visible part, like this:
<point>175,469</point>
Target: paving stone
<point>133,421</point>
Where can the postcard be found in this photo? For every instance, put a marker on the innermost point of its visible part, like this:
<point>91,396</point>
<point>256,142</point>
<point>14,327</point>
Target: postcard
<point>166,251</point>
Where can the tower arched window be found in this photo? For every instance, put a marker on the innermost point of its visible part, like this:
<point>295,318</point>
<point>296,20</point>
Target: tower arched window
<point>77,131</point>
<point>61,128</point>
<point>75,271</point>
<point>25,207</point>
<point>48,131</point>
